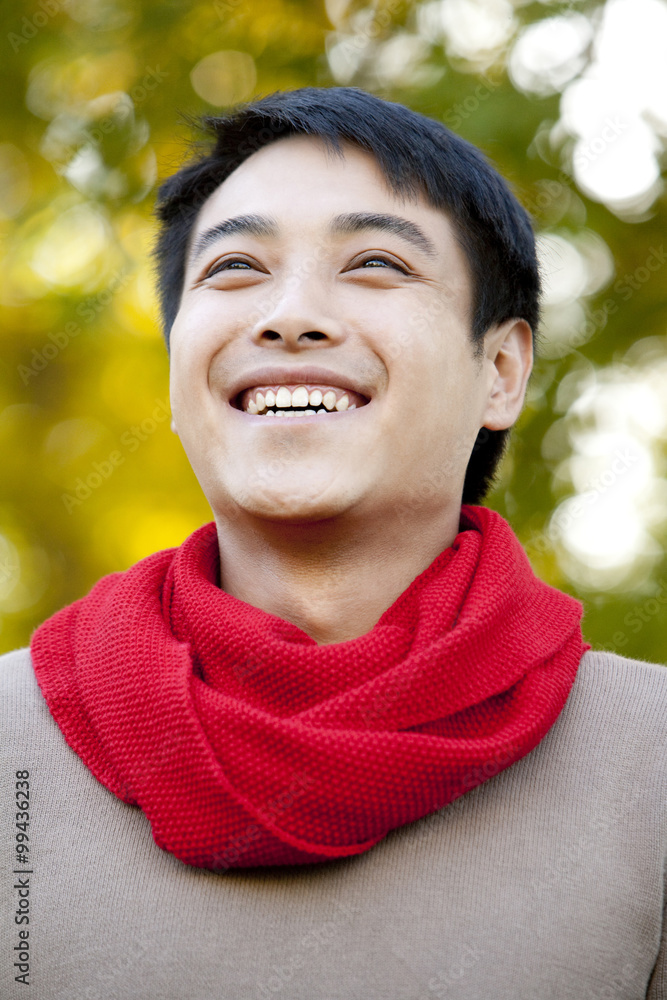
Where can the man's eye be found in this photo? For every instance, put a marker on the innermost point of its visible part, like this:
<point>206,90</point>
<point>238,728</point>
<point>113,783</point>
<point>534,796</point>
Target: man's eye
<point>382,262</point>
<point>233,263</point>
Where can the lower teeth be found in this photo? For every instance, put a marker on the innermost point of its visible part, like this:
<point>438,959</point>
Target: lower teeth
<point>293,413</point>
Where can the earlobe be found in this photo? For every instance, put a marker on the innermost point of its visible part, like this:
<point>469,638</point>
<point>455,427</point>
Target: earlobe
<point>509,357</point>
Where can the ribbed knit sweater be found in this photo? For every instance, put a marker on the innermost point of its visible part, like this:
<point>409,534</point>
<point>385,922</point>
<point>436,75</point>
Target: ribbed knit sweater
<point>546,882</point>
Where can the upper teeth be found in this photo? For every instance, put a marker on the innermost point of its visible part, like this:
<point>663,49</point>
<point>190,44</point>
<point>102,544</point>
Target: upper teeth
<point>261,400</point>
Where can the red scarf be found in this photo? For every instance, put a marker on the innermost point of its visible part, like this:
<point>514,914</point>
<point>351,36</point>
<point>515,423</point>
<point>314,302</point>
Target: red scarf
<point>245,743</point>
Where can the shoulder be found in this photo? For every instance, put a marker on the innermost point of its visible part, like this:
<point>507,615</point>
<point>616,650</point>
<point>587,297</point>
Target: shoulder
<point>16,673</point>
<point>22,704</point>
<point>613,686</point>
<point>614,719</point>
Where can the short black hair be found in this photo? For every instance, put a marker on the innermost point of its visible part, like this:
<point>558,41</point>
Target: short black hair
<point>417,155</point>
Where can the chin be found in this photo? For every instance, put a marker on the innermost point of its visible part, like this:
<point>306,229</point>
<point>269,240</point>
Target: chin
<point>291,505</point>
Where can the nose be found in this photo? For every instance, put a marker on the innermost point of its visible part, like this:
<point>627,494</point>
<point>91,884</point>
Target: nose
<point>298,314</point>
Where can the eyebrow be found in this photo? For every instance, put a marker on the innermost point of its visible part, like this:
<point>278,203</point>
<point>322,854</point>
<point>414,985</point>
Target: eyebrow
<point>351,222</point>
<point>247,225</point>
<point>358,222</point>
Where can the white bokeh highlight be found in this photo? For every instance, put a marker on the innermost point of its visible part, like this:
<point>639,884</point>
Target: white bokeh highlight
<point>550,53</point>
<point>614,101</point>
<point>608,531</point>
<point>573,267</point>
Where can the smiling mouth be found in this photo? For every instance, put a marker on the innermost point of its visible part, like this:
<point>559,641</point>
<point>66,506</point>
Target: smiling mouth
<point>298,400</point>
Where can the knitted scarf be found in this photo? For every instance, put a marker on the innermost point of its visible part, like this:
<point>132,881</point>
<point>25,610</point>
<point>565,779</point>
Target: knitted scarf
<point>245,743</point>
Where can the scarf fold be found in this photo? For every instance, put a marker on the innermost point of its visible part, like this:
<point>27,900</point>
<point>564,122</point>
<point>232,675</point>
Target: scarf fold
<point>245,743</point>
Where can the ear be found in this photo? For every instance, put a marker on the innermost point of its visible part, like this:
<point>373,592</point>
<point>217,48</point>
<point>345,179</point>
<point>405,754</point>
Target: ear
<point>508,350</point>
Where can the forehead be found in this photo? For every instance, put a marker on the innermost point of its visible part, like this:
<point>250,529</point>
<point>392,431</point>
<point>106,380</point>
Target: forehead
<point>298,180</point>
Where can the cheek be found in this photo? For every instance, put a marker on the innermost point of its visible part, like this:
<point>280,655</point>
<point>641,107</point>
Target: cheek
<point>204,323</point>
<point>444,391</point>
<point>197,338</point>
<point>433,368</point>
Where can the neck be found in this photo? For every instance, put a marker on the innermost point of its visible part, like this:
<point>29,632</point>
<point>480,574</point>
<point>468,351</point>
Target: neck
<point>333,582</point>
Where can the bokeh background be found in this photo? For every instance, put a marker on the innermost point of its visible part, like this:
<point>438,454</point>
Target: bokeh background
<point>569,100</point>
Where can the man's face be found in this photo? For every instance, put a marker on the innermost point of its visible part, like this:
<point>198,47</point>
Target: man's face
<point>307,289</point>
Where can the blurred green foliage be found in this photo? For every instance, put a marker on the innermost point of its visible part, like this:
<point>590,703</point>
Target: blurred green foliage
<point>93,480</point>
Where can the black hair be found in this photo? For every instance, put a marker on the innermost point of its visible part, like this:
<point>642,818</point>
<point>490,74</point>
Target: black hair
<point>417,155</point>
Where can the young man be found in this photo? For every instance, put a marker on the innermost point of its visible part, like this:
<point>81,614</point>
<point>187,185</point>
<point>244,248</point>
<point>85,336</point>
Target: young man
<point>341,742</point>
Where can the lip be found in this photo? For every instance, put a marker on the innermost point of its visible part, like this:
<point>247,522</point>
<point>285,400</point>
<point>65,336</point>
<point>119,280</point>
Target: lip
<point>300,418</point>
<point>302,375</point>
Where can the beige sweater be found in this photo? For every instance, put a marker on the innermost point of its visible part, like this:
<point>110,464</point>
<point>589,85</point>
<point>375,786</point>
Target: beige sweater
<point>547,882</point>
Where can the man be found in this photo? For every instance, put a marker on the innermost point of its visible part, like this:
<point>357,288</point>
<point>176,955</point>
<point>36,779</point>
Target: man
<point>342,742</point>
